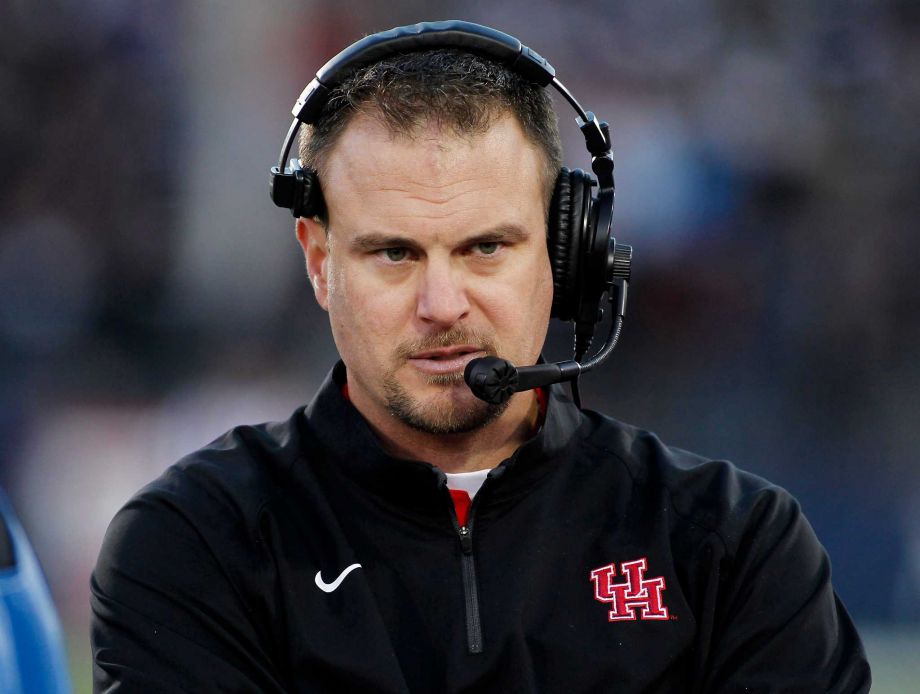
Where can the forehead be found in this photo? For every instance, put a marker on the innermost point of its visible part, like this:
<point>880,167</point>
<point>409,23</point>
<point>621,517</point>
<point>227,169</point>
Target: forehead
<point>432,177</point>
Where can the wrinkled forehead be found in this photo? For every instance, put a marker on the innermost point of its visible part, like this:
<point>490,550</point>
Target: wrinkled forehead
<point>433,172</point>
<point>432,156</point>
<point>369,133</point>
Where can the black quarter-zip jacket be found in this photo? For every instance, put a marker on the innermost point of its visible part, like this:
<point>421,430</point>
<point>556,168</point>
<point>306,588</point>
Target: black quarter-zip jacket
<point>595,559</point>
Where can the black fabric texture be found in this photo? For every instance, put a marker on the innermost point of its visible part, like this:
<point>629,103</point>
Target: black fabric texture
<point>206,581</point>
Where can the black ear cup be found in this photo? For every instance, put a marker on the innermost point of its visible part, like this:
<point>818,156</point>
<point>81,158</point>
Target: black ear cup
<point>559,245</point>
<point>569,216</point>
<point>307,198</point>
<point>297,189</point>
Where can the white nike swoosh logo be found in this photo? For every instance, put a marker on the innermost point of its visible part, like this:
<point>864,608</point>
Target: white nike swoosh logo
<point>329,587</point>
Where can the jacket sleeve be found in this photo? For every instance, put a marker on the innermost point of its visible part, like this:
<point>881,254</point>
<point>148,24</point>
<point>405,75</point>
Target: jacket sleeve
<point>780,626</point>
<point>166,615</point>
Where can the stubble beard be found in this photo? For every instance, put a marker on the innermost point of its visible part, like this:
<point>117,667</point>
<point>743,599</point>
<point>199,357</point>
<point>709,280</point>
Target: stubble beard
<point>448,414</point>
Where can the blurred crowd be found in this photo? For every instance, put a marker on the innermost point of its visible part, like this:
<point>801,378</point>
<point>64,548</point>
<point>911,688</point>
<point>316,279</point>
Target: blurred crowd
<point>768,163</point>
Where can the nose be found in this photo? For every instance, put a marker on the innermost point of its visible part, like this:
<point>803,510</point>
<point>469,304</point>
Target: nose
<point>442,294</point>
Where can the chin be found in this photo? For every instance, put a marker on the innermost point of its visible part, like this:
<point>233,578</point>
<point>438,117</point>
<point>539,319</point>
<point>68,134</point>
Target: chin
<point>451,409</point>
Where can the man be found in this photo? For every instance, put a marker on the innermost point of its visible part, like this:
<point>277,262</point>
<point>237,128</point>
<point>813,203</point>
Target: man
<point>399,534</point>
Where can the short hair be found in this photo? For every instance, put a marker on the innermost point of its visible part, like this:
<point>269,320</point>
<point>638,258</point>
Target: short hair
<point>459,91</point>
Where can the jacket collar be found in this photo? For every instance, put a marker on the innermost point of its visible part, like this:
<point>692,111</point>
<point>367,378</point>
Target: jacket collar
<point>348,442</point>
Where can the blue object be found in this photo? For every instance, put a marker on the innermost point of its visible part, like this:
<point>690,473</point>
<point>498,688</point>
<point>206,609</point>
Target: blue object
<point>32,658</point>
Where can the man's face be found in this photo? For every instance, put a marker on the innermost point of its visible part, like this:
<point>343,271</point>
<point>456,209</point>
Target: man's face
<point>435,254</point>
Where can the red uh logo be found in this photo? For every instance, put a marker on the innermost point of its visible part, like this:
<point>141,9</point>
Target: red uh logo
<point>637,592</point>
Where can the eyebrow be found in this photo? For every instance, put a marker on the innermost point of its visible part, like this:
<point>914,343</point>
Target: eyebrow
<point>508,233</point>
<point>374,241</point>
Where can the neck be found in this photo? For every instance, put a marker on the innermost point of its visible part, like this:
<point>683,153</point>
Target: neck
<point>481,449</point>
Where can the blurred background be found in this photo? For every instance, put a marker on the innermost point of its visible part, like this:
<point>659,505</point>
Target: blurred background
<point>768,162</point>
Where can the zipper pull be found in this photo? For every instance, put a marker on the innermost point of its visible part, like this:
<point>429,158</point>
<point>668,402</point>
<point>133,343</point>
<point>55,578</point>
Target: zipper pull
<point>466,540</point>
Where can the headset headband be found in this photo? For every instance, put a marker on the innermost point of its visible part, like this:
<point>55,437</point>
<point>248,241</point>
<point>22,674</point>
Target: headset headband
<point>466,36</point>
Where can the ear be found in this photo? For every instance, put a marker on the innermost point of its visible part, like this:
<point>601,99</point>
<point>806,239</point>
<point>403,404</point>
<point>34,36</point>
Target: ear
<point>312,238</point>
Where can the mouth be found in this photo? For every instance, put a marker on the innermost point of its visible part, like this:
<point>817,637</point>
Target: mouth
<point>445,360</point>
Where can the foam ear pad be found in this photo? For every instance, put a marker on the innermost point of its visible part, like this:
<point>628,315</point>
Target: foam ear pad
<point>566,231</point>
<point>308,197</point>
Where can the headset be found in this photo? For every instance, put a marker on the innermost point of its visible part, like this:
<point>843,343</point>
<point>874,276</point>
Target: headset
<point>587,262</point>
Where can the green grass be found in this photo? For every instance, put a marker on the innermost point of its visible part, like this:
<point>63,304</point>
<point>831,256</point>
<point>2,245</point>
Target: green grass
<point>894,655</point>
<point>81,663</point>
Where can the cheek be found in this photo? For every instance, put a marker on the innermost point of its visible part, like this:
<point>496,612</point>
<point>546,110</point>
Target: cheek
<point>519,309</point>
<point>540,306</point>
<point>365,317</point>
<point>544,288</point>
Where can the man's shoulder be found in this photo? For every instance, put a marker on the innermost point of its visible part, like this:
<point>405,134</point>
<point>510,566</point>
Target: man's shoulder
<point>209,503</point>
<point>249,458</point>
<point>243,467</point>
<point>222,486</point>
<point>713,494</point>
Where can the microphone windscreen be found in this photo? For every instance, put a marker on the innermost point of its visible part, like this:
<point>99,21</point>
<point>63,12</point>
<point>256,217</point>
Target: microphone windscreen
<point>491,379</point>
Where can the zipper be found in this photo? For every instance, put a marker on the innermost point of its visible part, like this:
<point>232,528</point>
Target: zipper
<point>468,571</point>
<point>470,591</point>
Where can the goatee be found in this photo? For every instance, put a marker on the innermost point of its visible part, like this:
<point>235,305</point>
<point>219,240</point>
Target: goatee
<point>456,410</point>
